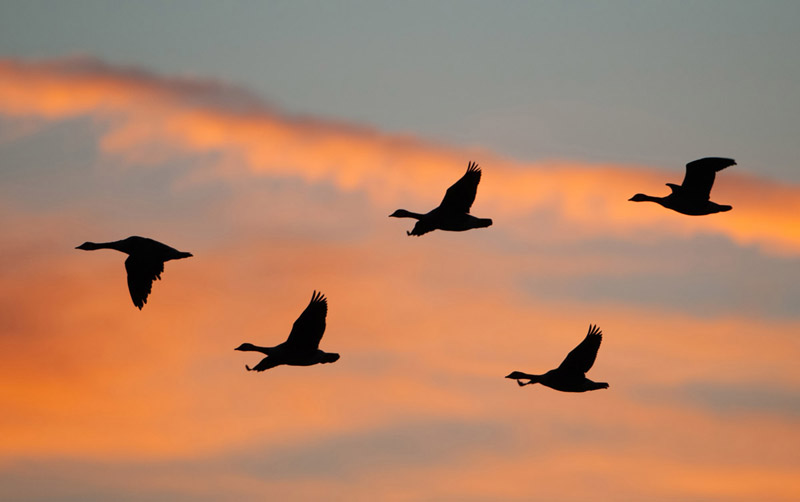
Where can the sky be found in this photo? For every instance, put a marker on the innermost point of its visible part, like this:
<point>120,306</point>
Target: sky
<point>272,140</point>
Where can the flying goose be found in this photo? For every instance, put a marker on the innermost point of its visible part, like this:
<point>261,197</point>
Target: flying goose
<point>302,346</point>
<point>144,264</point>
<point>570,376</point>
<point>692,196</point>
<point>453,213</point>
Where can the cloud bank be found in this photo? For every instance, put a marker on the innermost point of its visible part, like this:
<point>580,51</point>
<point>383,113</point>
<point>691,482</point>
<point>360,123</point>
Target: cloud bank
<point>147,118</point>
<point>106,401</point>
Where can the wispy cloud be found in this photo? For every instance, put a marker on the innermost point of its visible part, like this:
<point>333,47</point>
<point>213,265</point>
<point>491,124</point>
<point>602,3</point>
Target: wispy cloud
<point>147,118</point>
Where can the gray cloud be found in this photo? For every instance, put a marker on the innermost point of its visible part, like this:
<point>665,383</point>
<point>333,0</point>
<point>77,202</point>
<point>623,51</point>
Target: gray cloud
<point>338,459</point>
<point>742,398</point>
<point>414,444</point>
<point>704,276</point>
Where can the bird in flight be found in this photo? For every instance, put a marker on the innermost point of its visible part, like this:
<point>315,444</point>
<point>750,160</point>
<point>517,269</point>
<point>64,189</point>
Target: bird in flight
<point>570,376</point>
<point>692,196</point>
<point>453,213</point>
<point>302,346</point>
<point>144,264</point>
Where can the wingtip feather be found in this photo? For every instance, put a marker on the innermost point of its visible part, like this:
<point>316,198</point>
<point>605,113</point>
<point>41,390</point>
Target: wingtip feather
<point>473,167</point>
<point>318,296</point>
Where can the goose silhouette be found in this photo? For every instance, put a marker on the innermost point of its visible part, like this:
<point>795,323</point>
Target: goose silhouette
<point>302,346</point>
<point>144,264</point>
<point>570,376</point>
<point>453,212</point>
<point>692,196</point>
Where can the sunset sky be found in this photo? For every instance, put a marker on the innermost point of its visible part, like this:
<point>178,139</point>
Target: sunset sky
<point>273,139</point>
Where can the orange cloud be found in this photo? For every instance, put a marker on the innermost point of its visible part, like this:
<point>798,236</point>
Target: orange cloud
<point>84,375</point>
<point>98,382</point>
<point>147,118</point>
<point>96,377</point>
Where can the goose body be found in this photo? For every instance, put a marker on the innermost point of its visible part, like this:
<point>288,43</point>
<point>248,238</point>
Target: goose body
<point>453,212</point>
<point>692,196</point>
<point>301,348</point>
<point>145,262</point>
<point>570,376</point>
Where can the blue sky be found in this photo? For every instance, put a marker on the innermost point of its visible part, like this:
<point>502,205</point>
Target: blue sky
<point>656,83</point>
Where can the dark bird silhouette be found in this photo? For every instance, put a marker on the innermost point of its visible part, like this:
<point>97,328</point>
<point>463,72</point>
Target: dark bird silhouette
<point>144,264</point>
<point>692,196</point>
<point>453,213</point>
<point>302,346</point>
<point>570,376</point>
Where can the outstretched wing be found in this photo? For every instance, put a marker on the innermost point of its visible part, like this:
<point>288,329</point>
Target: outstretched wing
<point>461,195</point>
<point>308,328</point>
<point>582,357</point>
<point>700,175</point>
<point>141,274</point>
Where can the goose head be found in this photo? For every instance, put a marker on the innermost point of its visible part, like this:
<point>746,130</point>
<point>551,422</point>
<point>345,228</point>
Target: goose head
<point>247,347</point>
<point>640,197</point>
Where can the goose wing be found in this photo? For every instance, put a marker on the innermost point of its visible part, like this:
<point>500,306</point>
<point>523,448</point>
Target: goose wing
<point>700,175</point>
<point>307,330</point>
<point>461,195</point>
<point>141,274</point>
<point>582,357</point>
